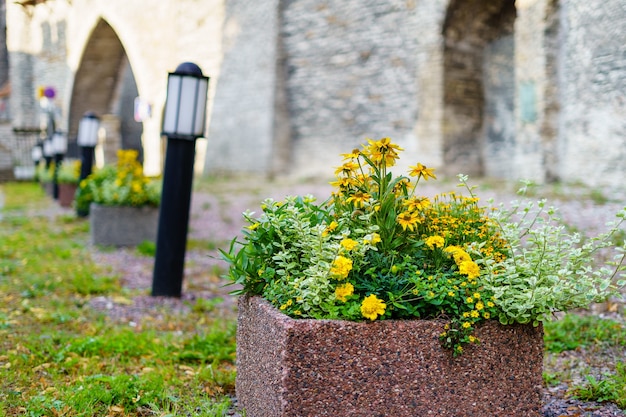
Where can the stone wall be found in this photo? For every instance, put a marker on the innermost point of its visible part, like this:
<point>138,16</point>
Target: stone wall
<point>351,75</point>
<point>510,89</point>
<point>592,136</point>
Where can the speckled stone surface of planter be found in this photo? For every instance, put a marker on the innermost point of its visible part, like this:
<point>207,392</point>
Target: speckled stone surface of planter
<point>289,368</point>
<point>122,226</point>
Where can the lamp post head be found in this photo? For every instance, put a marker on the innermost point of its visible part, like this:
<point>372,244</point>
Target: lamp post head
<point>185,107</point>
<point>59,143</point>
<point>189,68</point>
<point>88,130</point>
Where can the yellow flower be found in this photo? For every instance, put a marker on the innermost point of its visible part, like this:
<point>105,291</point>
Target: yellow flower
<point>474,314</point>
<point>451,293</point>
<point>254,226</point>
<point>435,241</point>
<point>372,239</point>
<point>486,315</point>
<point>490,304</point>
<point>349,244</point>
<point>383,149</point>
<point>479,305</point>
<point>343,182</point>
<point>472,339</point>
<point>330,228</point>
<point>469,268</point>
<point>477,296</point>
<point>341,267</point>
<point>421,171</point>
<point>372,307</point>
<point>408,219</point>
<point>466,325</point>
<point>343,291</point>
<point>347,168</point>
<point>417,203</point>
<point>359,198</point>
<point>458,254</point>
<point>352,155</point>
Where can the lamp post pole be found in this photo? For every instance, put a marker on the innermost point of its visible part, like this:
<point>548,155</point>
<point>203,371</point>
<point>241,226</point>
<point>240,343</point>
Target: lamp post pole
<point>59,148</point>
<point>183,123</point>
<point>87,140</point>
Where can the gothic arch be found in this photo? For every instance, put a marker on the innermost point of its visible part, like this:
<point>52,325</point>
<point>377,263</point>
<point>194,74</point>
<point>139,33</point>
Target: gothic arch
<point>105,84</point>
<point>479,86</point>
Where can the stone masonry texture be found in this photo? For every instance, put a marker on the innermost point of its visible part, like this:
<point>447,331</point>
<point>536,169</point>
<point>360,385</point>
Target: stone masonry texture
<point>507,89</point>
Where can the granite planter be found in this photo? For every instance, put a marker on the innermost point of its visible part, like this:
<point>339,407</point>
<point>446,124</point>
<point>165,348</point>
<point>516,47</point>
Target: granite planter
<point>121,225</point>
<point>289,368</point>
<point>66,194</point>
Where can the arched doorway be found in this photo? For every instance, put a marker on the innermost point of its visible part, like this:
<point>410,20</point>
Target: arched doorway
<point>105,84</point>
<point>479,87</point>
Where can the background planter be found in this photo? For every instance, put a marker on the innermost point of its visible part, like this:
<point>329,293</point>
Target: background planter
<point>121,225</point>
<point>288,367</point>
<point>66,194</point>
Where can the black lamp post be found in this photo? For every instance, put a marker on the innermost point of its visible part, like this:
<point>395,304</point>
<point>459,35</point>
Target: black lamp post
<point>48,153</point>
<point>183,123</point>
<point>59,149</point>
<point>87,140</point>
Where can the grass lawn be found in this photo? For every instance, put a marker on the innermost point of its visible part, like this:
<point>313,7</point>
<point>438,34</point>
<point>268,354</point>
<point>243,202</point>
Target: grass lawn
<point>60,357</point>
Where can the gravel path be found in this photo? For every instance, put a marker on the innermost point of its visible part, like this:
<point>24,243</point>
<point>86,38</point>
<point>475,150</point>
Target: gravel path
<point>216,217</point>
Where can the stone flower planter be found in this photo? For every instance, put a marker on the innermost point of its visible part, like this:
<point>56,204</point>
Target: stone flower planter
<point>289,368</point>
<point>121,225</point>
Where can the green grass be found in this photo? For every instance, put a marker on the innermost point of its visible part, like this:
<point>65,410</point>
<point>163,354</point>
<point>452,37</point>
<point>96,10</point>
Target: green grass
<point>591,332</point>
<point>580,331</point>
<point>611,388</point>
<point>58,356</point>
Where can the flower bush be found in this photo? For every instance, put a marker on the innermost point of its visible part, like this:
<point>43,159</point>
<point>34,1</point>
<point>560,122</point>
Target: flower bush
<point>123,184</point>
<point>377,249</point>
<point>69,172</point>
<point>43,174</point>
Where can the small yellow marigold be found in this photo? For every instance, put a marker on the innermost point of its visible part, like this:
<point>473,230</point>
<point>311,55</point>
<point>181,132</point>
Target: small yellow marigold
<point>348,243</point>
<point>435,242</point>
<point>469,268</point>
<point>372,307</point>
<point>343,291</point>
<point>341,267</point>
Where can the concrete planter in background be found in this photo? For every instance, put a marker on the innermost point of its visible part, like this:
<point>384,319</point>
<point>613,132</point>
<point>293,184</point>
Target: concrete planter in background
<point>288,367</point>
<point>121,225</point>
<point>66,194</point>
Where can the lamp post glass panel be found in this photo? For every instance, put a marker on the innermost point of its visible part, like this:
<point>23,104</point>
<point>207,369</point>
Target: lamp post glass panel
<point>87,140</point>
<point>183,123</point>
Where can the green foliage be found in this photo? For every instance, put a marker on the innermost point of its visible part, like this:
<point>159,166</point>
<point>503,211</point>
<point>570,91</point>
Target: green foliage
<point>147,248</point>
<point>574,331</point>
<point>58,356</point>
<point>611,388</point>
<point>123,184</point>
<point>69,172</point>
<point>18,195</point>
<point>377,249</point>
<point>549,269</point>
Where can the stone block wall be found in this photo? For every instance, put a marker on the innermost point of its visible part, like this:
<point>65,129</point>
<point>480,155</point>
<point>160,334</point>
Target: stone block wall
<point>294,83</point>
<point>592,129</point>
<point>351,73</point>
